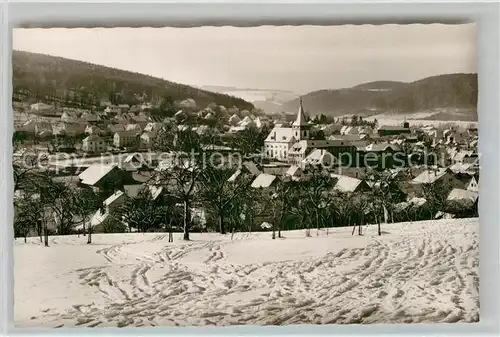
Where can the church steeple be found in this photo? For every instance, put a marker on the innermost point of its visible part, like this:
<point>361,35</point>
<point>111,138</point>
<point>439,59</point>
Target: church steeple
<point>301,126</point>
<point>301,119</point>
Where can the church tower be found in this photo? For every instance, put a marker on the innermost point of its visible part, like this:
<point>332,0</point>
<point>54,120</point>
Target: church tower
<point>301,127</point>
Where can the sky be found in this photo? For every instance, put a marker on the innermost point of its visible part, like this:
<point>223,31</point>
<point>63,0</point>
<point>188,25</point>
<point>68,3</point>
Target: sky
<point>297,58</point>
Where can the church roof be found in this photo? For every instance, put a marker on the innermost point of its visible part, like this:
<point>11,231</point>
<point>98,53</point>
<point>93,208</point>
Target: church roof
<point>301,117</point>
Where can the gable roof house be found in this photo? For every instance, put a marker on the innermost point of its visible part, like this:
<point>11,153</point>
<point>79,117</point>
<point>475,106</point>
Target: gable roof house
<point>133,127</point>
<point>90,117</point>
<point>319,158</point>
<point>445,176</point>
<point>72,128</point>
<point>347,184</point>
<point>93,130</point>
<point>94,144</point>
<point>105,178</point>
<point>153,127</point>
<point>146,140</point>
<point>462,203</point>
<point>70,116</point>
<point>113,128</point>
<point>382,155</point>
<point>265,181</point>
<point>133,162</point>
<point>125,139</point>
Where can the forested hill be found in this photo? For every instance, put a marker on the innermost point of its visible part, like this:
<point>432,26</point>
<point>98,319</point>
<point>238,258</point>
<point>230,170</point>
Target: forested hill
<point>44,75</point>
<point>442,91</point>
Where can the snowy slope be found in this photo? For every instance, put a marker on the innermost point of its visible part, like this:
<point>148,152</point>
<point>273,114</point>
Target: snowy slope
<point>414,272</point>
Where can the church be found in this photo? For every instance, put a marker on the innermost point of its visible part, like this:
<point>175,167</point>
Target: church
<point>280,140</point>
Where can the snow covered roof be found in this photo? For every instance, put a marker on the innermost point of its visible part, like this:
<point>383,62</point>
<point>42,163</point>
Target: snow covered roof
<point>293,171</point>
<point>234,176</point>
<point>133,127</point>
<point>234,119</point>
<point>94,173</point>
<point>278,134</point>
<point>461,167</point>
<point>251,167</point>
<point>382,147</point>
<point>345,183</point>
<point>112,198</point>
<point>318,157</point>
<point>429,176</point>
<point>92,138</point>
<point>263,180</point>
<point>458,194</point>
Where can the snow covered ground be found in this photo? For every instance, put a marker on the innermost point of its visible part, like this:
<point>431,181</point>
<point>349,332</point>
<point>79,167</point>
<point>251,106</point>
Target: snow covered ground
<point>414,272</point>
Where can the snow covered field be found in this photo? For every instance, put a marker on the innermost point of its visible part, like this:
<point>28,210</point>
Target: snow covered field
<point>414,272</point>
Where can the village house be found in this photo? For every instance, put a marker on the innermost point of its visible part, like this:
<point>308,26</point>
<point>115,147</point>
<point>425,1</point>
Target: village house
<point>90,117</point>
<point>70,116</point>
<point>347,184</point>
<point>105,179</point>
<point>133,127</point>
<point>125,139</point>
<point>153,127</point>
<point>381,155</point>
<point>124,108</point>
<point>43,109</point>
<point>113,128</point>
<point>319,158</point>
<point>265,181</point>
<point>72,129</point>
<point>141,119</point>
<point>112,110</point>
<point>133,162</point>
<point>394,130</point>
<point>281,139</point>
<point>146,140</point>
<point>343,151</point>
<point>93,130</point>
<point>94,144</point>
<point>37,127</point>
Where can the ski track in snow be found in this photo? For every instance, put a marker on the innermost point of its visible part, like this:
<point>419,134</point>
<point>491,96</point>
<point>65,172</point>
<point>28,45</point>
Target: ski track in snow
<point>424,276</point>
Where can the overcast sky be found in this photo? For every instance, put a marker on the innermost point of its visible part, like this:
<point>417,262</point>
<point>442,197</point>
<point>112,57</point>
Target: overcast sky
<point>302,58</point>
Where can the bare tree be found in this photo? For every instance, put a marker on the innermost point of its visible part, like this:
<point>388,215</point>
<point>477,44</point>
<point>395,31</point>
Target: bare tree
<point>220,195</point>
<point>180,174</point>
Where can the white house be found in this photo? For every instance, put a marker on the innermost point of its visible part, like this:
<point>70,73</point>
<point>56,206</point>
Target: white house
<point>125,138</point>
<point>281,139</point>
<point>146,140</point>
<point>94,144</point>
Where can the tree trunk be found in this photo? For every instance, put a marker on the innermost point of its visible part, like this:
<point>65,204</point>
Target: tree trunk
<point>378,224</point>
<point>84,232</point>
<point>46,234</point>
<point>170,235</point>
<point>89,237</point>
<point>360,223</point>
<point>232,232</point>
<point>222,230</point>
<point>186,221</point>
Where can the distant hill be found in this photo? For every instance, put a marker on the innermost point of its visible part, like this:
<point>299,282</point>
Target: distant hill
<point>442,91</point>
<point>380,85</point>
<point>44,75</point>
